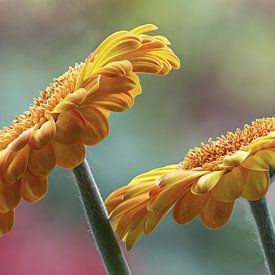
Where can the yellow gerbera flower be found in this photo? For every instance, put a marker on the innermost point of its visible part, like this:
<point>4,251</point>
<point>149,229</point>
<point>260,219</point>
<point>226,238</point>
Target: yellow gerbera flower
<point>73,112</point>
<point>206,183</point>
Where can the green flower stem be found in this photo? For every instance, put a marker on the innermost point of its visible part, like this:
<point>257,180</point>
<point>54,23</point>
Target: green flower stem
<point>99,223</point>
<point>265,226</point>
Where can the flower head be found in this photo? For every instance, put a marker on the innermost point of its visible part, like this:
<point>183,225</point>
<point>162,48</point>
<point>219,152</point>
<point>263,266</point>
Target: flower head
<point>73,112</point>
<point>206,183</point>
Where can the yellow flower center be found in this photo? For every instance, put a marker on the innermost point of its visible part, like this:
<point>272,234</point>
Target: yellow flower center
<point>211,154</point>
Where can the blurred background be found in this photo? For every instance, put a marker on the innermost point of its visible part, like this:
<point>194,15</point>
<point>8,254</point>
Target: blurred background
<point>227,79</point>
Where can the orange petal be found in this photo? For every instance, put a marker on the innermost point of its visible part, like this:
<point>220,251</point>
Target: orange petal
<point>133,236</point>
<point>71,101</point>
<point>10,195</point>
<point>235,159</point>
<point>34,188</point>
<point>153,219</point>
<point>21,141</point>
<point>16,165</point>
<point>231,185</point>
<point>167,197</point>
<point>216,213</point>
<point>69,127</point>
<point>116,69</point>
<point>257,185</point>
<point>42,161</point>
<point>115,198</point>
<point>6,222</point>
<point>207,182</point>
<point>188,207</point>
<point>69,156</point>
<point>97,126</point>
<point>43,135</point>
<point>261,161</point>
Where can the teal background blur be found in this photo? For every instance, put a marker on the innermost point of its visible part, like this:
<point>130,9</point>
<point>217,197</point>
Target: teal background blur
<point>227,79</point>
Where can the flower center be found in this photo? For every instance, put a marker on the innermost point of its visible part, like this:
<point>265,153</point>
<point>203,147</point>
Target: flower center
<point>46,102</point>
<point>210,154</point>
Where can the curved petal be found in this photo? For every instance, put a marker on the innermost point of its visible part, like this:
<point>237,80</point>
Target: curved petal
<point>6,222</point>
<point>207,182</point>
<point>42,161</point>
<point>261,161</point>
<point>231,185</point>
<point>215,213</point>
<point>257,185</point>
<point>97,125</point>
<point>10,195</point>
<point>44,135</point>
<point>235,159</point>
<point>70,126</point>
<point>69,156</point>
<point>188,207</point>
<point>16,165</point>
<point>34,188</point>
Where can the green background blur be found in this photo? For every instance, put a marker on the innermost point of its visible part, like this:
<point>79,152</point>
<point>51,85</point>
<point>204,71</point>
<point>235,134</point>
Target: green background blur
<point>227,79</point>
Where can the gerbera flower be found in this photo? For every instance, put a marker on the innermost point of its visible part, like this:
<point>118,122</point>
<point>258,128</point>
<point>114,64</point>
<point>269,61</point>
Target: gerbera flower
<point>73,112</point>
<point>206,183</point>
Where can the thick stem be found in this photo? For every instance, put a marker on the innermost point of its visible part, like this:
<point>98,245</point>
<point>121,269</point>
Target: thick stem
<point>97,217</point>
<point>266,230</point>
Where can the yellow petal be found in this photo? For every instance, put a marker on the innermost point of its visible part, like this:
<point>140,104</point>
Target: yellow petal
<point>10,195</point>
<point>167,197</point>
<point>153,219</point>
<point>68,156</point>
<point>42,161</point>
<point>16,165</point>
<point>215,213</point>
<point>140,188</point>
<point>257,185</point>
<point>69,127</point>
<point>116,69</point>
<point>207,182</point>
<point>129,204</point>
<point>44,135</point>
<point>71,101</point>
<point>34,188</point>
<point>261,161</point>
<point>153,175</point>
<point>231,185</point>
<point>115,198</point>
<point>21,141</point>
<point>235,159</point>
<point>133,236</point>
<point>188,207</point>
<point>6,222</point>
<point>178,176</point>
<point>144,28</point>
<point>97,126</point>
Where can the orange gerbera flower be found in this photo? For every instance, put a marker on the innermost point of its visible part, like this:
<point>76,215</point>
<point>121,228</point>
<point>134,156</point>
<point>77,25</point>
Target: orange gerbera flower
<point>206,183</point>
<point>73,112</point>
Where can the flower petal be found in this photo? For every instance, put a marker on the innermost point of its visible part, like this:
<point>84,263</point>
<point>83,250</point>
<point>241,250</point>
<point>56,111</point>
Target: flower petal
<point>188,207</point>
<point>69,156</point>
<point>235,159</point>
<point>43,135</point>
<point>231,185</point>
<point>207,182</point>
<point>215,213</point>
<point>34,188</point>
<point>70,126</point>
<point>257,186</point>
<point>261,161</point>
<point>42,161</point>
<point>16,165</point>
<point>6,222</point>
<point>10,195</point>
<point>97,126</point>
